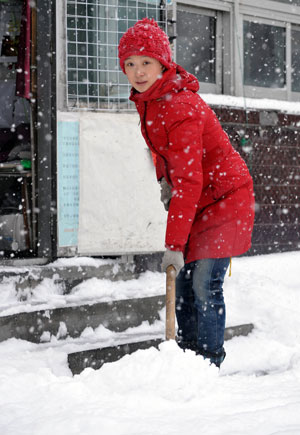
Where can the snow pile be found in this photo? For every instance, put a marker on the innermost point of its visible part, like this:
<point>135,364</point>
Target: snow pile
<point>291,107</point>
<point>167,391</point>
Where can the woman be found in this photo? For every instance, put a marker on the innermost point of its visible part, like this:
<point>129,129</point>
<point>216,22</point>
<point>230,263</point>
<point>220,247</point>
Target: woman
<point>205,184</point>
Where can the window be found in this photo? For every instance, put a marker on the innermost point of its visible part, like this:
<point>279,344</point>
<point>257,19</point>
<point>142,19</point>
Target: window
<point>264,55</point>
<point>94,28</point>
<point>296,60</point>
<point>271,59</point>
<point>196,45</point>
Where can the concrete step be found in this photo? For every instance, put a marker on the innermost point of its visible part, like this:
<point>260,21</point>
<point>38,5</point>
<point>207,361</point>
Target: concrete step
<point>117,316</point>
<point>68,276</point>
<point>95,358</point>
<point>36,324</point>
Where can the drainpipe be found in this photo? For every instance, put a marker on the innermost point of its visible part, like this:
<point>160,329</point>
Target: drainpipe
<point>238,40</point>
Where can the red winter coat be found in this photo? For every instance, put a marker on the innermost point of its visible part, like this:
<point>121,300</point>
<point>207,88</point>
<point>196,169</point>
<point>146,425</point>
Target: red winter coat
<point>211,212</point>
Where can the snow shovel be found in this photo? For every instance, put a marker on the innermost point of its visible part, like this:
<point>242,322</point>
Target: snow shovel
<point>95,358</point>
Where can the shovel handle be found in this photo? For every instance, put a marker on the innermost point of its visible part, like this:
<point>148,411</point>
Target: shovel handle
<point>170,302</point>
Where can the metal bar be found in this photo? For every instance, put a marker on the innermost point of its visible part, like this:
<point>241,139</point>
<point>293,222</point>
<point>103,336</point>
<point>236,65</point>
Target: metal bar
<point>33,133</point>
<point>288,60</point>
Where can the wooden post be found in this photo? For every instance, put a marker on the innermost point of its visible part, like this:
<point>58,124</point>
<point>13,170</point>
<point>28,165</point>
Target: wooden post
<point>170,303</point>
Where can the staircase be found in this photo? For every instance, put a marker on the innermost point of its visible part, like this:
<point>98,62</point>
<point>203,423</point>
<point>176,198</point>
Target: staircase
<point>63,318</point>
<point>37,321</point>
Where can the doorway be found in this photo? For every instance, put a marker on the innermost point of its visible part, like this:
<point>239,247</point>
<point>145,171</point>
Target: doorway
<point>16,134</point>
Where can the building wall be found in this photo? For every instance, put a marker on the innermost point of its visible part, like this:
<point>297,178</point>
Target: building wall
<point>269,141</point>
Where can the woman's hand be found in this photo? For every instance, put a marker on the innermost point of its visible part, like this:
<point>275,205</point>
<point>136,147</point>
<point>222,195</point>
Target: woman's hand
<point>165,193</point>
<point>174,258</point>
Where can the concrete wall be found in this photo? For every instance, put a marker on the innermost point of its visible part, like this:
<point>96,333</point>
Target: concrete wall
<point>120,211</point>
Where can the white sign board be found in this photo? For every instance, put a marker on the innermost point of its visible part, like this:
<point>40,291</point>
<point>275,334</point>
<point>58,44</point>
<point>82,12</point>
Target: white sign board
<point>119,203</point>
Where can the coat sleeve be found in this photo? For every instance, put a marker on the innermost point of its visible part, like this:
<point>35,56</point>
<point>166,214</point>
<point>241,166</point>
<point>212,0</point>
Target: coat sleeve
<point>184,165</point>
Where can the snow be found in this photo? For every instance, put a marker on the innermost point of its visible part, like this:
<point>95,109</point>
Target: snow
<point>167,391</point>
<point>49,295</point>
<point>82,261</point>
<point>291,107</point>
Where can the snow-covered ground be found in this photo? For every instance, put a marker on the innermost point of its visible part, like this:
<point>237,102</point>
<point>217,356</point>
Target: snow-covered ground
<point>167,391</point>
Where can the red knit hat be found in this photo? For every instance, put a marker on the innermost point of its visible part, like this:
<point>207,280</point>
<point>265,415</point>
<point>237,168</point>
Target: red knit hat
<point>145,38</point>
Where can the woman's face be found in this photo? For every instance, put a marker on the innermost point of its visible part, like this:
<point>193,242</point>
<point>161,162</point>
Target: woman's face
<point>142,71</point>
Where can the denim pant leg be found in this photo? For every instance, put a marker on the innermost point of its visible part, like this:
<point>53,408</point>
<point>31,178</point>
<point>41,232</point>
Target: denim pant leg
<point>199,290</point>
<point>208,279</point>
<point>186,313</point>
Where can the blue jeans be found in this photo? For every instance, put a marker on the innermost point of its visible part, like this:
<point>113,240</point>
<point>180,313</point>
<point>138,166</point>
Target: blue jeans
<point>200,307</point>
